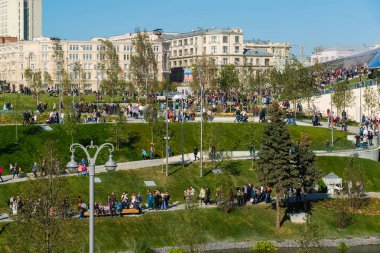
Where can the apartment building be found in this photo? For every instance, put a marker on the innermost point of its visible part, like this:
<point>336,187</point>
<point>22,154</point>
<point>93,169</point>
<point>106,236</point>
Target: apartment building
<point>21,19</point>
<point>38,55</point>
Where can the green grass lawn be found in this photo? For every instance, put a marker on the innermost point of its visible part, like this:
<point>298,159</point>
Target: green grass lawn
<point>247,223</point>
<point>243,224</point>
<point>181,178</point>
<point>33,139</point>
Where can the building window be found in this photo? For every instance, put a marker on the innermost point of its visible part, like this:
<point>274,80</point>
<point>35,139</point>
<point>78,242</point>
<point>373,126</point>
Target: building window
<point>204,50</point>
<point>32,66</point>
<point>225,49</point>
<point>185,52</point>
<point>237,39</point>
<point>204,39</point>
<point>266,62</point>
<point>45,47</point>
<point>213,39</point>
<point>180,43</point>
<point>191,51</point>
<point>225,61</point>
<point>236,50</point>
<point>191,41</point>
<point>213,49</point>
<point>185,42</point>
<point>175,53</point>
<point>179,52</point>
<point>225,39</point>
<point>257,61</point>
<point>237,61</point>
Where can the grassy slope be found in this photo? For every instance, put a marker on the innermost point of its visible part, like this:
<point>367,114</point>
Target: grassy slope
<point>33,138</point>
<point>246,223</point>
<point>180,178</point>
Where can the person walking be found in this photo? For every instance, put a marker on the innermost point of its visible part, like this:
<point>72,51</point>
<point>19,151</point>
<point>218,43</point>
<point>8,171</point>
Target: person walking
<point>10,169</point>
<point>196,153</point>
<point>1,172</point>
<point>15,170</point>
<point>35,169</point>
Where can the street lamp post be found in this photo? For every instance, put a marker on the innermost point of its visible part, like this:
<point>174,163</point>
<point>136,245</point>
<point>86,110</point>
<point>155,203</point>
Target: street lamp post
<point>72,167</point>
<point>183,140</point>
<point>201,154</point>
<point>167,137</point>
<point>331,118</point>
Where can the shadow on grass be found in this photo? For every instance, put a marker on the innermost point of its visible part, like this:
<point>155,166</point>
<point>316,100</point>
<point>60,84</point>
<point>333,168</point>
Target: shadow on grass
<point>178,167</point>
<point>296,207</point>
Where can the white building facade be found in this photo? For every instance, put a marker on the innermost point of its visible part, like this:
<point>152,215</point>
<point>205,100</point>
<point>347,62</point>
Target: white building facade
<point>21,19</point>
<point>325,54</point>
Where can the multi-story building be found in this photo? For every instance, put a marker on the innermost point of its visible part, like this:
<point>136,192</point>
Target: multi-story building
<point>225,46</point>
<point>174,52</point>
<point>38,55</point>
<point>280,51</point>
<point>21,19</point>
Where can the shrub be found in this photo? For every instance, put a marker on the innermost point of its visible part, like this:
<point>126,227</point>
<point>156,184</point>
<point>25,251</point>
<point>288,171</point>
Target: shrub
<point>343,247</point>
<point>264,247</point>
<point>176,250</point>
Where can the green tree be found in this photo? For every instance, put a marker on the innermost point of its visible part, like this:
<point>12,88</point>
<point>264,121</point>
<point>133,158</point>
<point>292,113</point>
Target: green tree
<point>342,96</point>
<point>309,172</point>
<point>311,238</point>
<point>205,72</point>
<point>119,132</point>
<point>70,124</point>
<point>78,74</point>
<point>355,173</point>
<point>276,164</point>
<point>143,66</point>
<point>370,100</point>
<point>35,81</point>
<point>41,224</point>
<point>110,67</point>
<point>228,78</point>
<point>47,78</point>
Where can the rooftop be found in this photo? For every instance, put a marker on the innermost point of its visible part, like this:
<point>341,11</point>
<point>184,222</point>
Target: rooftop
<point>201,31</point>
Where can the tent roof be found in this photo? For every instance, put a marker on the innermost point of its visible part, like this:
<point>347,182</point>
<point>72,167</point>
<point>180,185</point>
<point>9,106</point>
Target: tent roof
<point>331,175</point>
<point>374,63</point>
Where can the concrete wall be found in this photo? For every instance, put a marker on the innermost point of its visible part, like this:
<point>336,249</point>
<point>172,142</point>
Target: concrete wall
<point>323,102</point>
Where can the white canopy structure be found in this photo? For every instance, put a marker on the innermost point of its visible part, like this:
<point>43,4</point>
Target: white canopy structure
<point>333,183</point>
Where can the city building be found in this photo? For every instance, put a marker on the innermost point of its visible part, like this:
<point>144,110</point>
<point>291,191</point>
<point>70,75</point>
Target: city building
<point>323,54</point>
<point>280,51</point>
<point>21,19</point>
<point>17,56</point>
<point>175,54</point>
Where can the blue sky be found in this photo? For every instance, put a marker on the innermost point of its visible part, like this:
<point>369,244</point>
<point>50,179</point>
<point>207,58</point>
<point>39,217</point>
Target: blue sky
<point>299,22</point>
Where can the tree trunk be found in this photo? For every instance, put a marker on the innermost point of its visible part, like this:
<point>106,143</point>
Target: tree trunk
<point>305,200</point>
<point>278,210</point>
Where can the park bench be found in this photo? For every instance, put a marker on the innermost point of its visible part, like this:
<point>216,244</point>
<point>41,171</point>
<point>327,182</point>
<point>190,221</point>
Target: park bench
<point>123,212</point>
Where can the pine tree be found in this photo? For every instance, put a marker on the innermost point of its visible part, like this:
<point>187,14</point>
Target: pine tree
<point>276,166</point>
<point>309,172</point>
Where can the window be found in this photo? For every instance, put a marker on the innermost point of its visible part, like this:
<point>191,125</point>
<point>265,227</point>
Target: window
<point>45,57</point>
<point>266,62</point>
<point>236,50</point>
<point>204,50</point>
<point>185,42</point>
<point>257,61</point>
<point>45,66</point>
<point>175,53</point>
<point>191,41</point>
<point>213,49</point>
<point>225,61</point>
<point>225,49</point>
<point>191,51</point>
<point>126,57</point>
<point>225,39</point>
<point>185,52</point>
<point>180,43</point>
<point>204,39</point>
<point>213,39</point>
<point>45,47</point>
<point>156,48</point>
<point>125,66</point>
<point>237,39</point>
<point>237,61</point>
<point>179,52</point>
<point>196,51</point>
<point>32,66</point>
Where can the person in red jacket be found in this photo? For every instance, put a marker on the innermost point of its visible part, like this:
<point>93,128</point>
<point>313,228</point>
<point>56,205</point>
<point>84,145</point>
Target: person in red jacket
<point>1,172</point>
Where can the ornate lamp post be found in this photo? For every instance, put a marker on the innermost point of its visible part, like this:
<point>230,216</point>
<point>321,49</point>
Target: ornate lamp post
<point>72,167</point>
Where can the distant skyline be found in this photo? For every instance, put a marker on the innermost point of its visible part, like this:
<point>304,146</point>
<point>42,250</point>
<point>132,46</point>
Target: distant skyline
<point>299,22</point>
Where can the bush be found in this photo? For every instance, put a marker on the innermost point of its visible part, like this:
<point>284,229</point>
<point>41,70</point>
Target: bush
<point>343,217</point>
<point>264,247</point>
<point>343,247</point>
<point>176,250</point>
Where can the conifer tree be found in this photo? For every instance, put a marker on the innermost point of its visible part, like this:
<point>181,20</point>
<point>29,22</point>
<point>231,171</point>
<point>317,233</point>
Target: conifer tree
<point>276,167</point>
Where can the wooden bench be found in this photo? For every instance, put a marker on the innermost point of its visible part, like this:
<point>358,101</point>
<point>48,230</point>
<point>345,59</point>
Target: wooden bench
<point>123,212</point>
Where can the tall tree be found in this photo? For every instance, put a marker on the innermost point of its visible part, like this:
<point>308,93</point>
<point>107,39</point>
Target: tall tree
<point>35,81</point>
<point>370,100</point>
<point>70,124</point>
<point>228,78</point>
<point>143,66</point>
<point>276,166</point>
<point>342,96</point>
<point>78,74</point>
<point>47,78</point>
<point>309,172</point>
<point>205,73</point>
<point>42,223</point>
<point>110,67</point>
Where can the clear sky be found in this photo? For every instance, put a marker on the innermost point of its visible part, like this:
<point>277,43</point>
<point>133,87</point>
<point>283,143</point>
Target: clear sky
<point>299,22</point>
